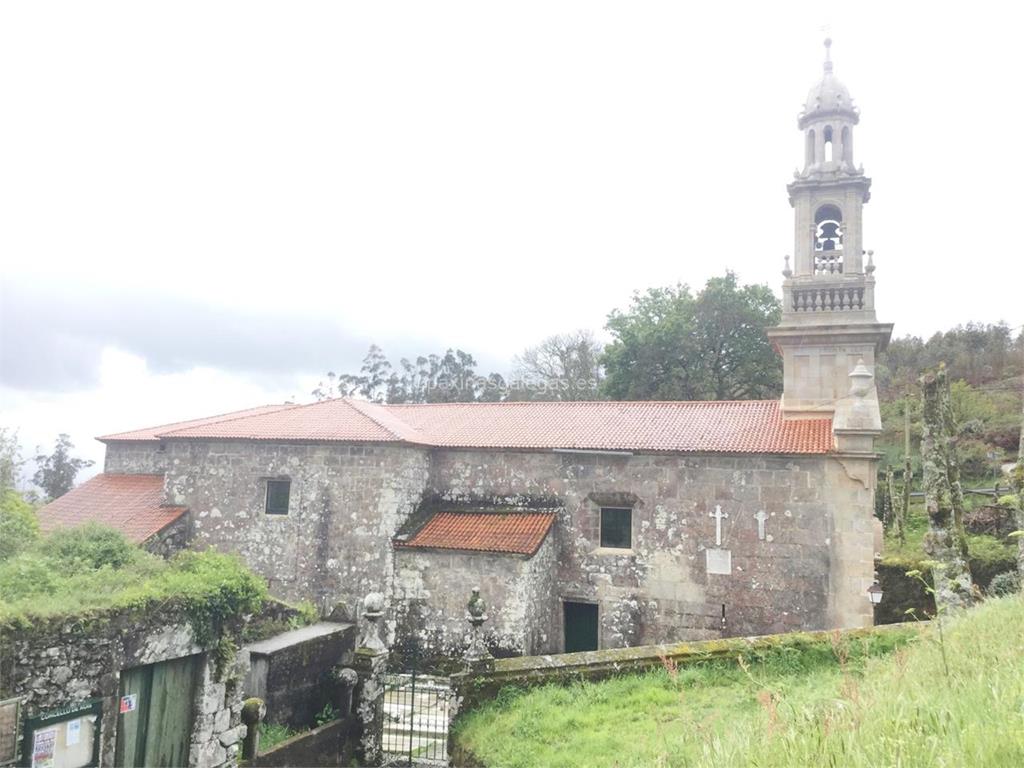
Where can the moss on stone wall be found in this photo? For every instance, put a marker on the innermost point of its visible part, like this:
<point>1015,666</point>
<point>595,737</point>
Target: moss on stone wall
<point>528,671</point>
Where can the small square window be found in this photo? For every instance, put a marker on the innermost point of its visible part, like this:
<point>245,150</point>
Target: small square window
<point>277,496</point>
<point>617,527</point>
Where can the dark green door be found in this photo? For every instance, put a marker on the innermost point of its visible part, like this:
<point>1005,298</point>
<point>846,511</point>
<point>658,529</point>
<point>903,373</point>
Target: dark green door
<point>580,627</point>
<point>157,731</point>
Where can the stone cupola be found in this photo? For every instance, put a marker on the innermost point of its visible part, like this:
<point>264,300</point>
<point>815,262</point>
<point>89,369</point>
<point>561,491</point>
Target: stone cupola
<point>828,314</point>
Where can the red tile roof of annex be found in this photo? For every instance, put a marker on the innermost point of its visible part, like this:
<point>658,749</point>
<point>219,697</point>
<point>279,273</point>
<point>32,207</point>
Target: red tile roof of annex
<point>129,503</point>
<point>516,533</point>
<point>748,426</point>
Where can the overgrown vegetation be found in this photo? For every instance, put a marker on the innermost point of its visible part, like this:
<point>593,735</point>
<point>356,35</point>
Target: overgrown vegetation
<point>847,705</point>
<point>984,366</point>
<point>272,734</point>
<point>86,571</point>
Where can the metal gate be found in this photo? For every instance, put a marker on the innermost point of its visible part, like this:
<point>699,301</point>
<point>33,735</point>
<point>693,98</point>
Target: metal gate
<point>415,712</point>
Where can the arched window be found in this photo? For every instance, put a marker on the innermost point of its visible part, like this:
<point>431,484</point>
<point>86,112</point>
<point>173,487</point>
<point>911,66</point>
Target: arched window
<point>809,152</point>
<point>828,240</point>
<point>828,143</point>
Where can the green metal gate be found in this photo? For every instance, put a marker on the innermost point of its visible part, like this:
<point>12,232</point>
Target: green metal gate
<point>155,721</point>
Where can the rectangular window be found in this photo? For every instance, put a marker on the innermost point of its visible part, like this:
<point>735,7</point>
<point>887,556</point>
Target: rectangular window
<point>277,496</point>
<point>617,527</point>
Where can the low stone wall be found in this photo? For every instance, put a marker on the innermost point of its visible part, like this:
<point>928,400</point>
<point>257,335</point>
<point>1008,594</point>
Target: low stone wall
<point>62,662</point>
<point>293,672</point>
<point>332,744</point>
<point>470,689</point>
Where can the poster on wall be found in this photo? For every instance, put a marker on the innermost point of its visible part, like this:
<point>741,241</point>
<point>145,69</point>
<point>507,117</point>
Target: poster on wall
<point>44,744</point>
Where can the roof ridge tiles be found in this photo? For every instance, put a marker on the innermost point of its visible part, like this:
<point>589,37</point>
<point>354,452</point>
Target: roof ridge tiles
<point>215,418</point>
<point>240,417</point>
<point>387,421</point>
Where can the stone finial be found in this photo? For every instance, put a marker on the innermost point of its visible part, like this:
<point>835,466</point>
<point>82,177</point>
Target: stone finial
<point>786,271</point>
<point>860,380</point>
<point>476,608</point>
<point>870,268</point>
<point>373,609</point>
<point>828,54</point>
<point>346,676</point>
<point>477,656</point>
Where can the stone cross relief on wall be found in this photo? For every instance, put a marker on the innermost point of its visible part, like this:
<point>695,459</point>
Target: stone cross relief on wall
<point>719,561</point>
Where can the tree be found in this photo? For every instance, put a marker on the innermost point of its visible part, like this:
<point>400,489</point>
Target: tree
<point>10,459</point>
<point>56,472</point>
<point>976,353</point>
<point>18,526</point>
<point>945,541</point>
<point>447,378</point>
<point>562,367</point>
<point>673,345</point>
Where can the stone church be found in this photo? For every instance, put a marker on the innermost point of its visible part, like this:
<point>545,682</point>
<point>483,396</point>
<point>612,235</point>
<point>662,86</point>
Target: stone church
<point>585,524</point>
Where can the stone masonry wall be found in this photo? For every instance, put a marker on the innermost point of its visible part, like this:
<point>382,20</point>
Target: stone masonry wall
<point>810,572</point>
<point>432,588</point>
<point>660,591</point>
<point>135,458</point>
<point>62,662</point>
<point>347,501</point>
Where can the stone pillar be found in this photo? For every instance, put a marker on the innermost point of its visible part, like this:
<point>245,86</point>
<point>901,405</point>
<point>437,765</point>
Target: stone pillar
<point>477,657</point>
<point>253,712</point>
<point>370,665</point>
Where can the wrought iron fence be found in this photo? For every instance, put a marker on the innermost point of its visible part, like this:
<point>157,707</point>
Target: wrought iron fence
<point>415,713</point>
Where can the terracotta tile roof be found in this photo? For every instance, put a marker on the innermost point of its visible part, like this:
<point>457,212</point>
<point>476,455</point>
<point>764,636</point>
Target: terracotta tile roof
<point>753,426</point>
<point>129,503</point>
<point>150,434</point>
<point>517,533</point>
<point>331,420</point>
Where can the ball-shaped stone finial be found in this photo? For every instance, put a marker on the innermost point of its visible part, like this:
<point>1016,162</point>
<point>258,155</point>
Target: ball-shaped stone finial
<point>346,676</point>
<point>253,711</point>
<point>373,603</point>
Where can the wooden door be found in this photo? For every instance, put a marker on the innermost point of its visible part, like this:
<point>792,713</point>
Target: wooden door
<point>157,733</point>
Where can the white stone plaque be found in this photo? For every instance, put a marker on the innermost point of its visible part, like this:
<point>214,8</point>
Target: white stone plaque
<point>719,561</point>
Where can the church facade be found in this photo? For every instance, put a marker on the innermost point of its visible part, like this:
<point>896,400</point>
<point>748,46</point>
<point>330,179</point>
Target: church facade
<point>586,524</point>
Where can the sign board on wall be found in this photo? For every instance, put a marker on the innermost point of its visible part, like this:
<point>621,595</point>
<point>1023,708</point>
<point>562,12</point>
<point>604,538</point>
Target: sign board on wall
<point>68,737</point>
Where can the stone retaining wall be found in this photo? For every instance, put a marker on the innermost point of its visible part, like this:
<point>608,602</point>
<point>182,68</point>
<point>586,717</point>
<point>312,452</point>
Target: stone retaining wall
<point>470,689</point>
<point>63,662</point>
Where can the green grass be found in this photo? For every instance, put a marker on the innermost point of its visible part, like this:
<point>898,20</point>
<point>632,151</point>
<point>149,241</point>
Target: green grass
<point>875,708</point>
<point>272,734</point>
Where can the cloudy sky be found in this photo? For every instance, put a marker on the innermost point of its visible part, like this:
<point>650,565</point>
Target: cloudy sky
<point>204,206</point>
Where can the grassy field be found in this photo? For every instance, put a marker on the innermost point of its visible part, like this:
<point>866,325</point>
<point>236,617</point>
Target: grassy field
<point>858,705</point>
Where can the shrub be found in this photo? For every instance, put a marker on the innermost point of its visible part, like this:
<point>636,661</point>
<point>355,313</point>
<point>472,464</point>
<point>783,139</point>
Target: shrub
<point>19,528</point>
<point>974,458</point>
<point>89,547</point>
<point>1004,584</point>
<point>988,557</point>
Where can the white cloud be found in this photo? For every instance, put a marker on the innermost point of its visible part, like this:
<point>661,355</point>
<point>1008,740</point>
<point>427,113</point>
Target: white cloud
<point>473,174</point>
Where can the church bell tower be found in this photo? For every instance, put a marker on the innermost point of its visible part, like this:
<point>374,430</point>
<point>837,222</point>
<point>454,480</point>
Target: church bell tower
<point>828,315</point>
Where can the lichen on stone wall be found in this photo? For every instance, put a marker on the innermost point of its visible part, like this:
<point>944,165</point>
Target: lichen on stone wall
<point>945,541</point>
